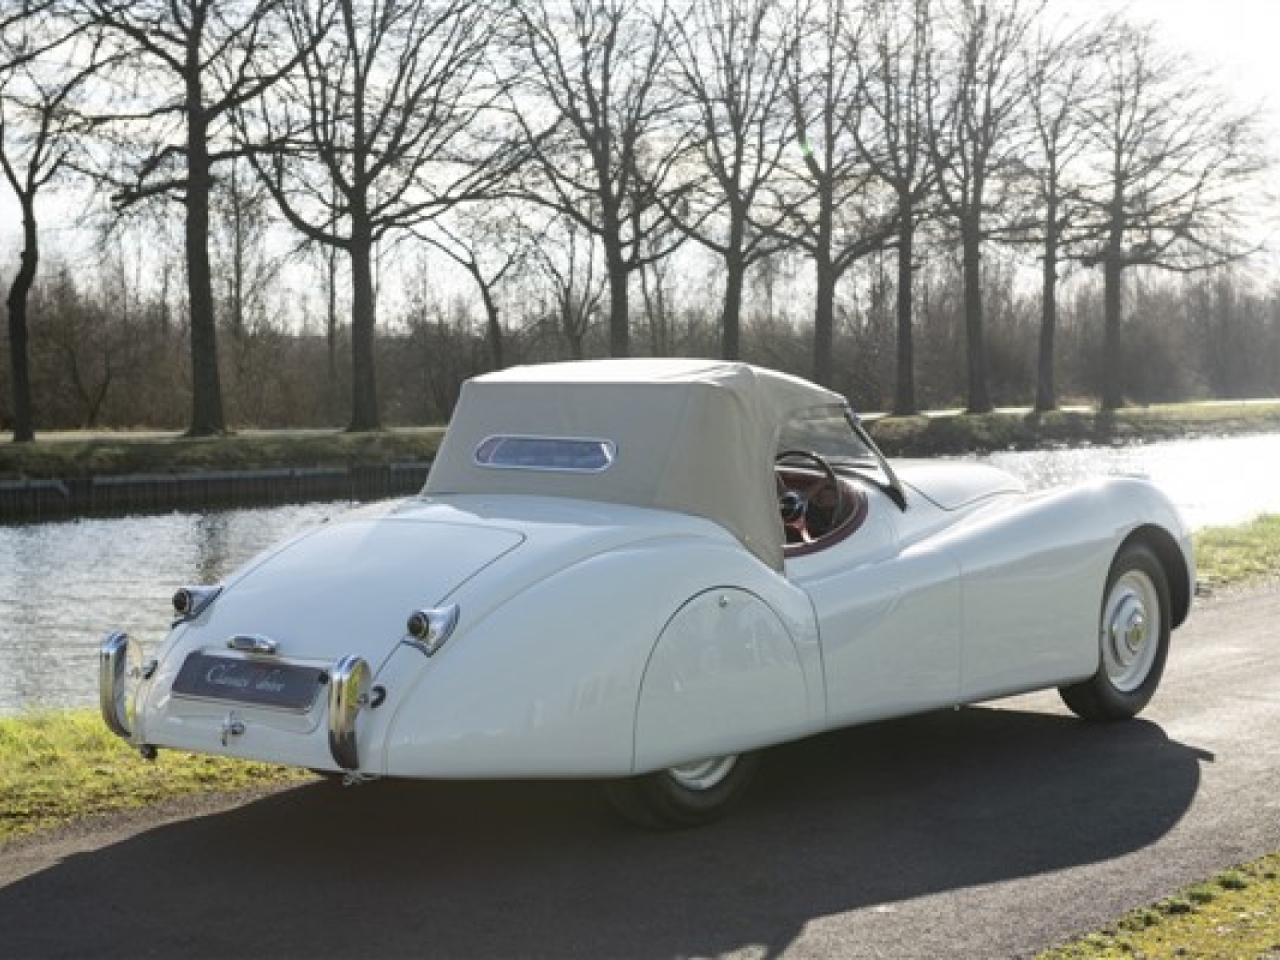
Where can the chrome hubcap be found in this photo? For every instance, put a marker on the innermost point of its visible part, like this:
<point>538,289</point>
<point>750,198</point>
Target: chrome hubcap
<point>1130,626</point>
<point>703,774</point>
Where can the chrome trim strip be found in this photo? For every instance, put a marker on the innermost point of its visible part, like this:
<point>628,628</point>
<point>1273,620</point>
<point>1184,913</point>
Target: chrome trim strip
<point>113,660</point>
<point>349,681</point>
<point>608,447</point>
<point>254,643</point>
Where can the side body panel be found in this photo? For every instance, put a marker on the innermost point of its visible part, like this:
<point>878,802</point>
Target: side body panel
<point>888,609</point>
<point>1033,572</point>
<point>1000,594</point>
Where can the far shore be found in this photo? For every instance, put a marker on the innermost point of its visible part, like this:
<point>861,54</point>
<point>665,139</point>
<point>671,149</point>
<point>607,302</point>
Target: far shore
<point>107,453</point>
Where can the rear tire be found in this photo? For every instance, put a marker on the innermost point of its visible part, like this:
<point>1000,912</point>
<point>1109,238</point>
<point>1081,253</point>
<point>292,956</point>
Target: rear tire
<point>1133,640</point>
<point>689,795</point>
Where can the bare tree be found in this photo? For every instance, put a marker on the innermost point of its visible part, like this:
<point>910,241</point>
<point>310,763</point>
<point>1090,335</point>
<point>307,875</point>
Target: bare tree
<point>892,62</point>
<point>598,125</point>
<point>490,245</point>
<point>20,40</point>
<point>1057,67</point>
<point>1173,164</point>
<point>572,270</point>
<point>973,127</point>
<point>380,130</point>
<point>828,197</point>
<point>190,64</point>
<point>728,58</point>
<point>247,276</point>
<point>44,65</point>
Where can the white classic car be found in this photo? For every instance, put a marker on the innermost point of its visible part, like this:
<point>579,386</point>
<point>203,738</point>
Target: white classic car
<point>645,571</point>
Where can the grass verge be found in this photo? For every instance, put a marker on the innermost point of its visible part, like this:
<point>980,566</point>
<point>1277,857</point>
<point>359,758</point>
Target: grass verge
<point>59,766</point>
<point>1233,916</point>
<point>1232,555</point>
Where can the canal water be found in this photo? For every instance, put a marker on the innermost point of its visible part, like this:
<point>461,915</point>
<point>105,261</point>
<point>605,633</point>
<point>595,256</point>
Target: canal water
<point>64,584</point>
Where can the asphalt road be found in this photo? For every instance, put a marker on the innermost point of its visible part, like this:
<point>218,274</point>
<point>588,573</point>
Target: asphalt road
<point>986,832</point>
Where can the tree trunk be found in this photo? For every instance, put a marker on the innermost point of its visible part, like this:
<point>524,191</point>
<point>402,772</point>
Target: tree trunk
<point>731,315</point>
<point>331,331</point>
<point>364,382</point>
<point>619,308</point>
<point>1046,393</point>
<point>904,400</point>
<point>1112,385</point>
<point>975,337</point>
<point>19,361</point>
<point>206,390</point>
<point>824,321</point>
<point>494,324</point>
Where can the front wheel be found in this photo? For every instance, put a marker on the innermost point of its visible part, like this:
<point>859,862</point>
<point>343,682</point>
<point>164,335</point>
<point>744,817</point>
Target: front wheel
<point>688,795</point>
<point>1134,638</point>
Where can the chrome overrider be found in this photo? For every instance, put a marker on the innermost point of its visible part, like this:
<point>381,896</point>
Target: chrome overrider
<point>349,685</point>
<point>113,684</point>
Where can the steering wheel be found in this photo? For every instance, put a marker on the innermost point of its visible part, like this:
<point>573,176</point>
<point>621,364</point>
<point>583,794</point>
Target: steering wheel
<point>793,502</point>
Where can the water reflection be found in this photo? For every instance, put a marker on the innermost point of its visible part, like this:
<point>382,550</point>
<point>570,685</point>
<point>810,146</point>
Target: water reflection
<point>64,584</point>
<point>1213,482</point>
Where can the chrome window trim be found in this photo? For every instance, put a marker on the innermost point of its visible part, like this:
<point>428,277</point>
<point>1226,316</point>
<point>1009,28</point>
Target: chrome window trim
<point>609,447</point>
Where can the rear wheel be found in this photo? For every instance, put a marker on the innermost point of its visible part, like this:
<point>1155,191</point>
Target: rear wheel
<point>687,795</point>
<point>1134,639</point>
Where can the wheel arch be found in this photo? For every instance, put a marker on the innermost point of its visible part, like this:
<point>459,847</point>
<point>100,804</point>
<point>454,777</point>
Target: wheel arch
<point>1177,570</point>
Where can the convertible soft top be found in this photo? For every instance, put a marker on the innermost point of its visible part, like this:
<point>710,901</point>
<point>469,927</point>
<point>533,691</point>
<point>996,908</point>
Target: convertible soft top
<point>696,436</point>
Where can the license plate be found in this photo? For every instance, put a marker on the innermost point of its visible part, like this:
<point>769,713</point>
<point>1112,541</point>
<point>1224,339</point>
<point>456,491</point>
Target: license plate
<point>284,686</point>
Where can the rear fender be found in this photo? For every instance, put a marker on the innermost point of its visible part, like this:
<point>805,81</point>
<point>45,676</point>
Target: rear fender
<point>548,682</point>
<point>725,676</point>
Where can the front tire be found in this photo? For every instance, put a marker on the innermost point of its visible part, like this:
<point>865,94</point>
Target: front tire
<point>1133,636</point>
<point>688,795</point>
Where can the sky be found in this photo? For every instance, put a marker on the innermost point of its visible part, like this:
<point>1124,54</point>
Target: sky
<point>1240,39</point>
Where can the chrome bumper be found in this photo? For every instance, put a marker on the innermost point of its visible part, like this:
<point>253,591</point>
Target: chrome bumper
<point>120,672</point>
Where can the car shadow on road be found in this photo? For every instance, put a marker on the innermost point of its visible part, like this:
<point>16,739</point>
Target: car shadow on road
<point>859,818</point>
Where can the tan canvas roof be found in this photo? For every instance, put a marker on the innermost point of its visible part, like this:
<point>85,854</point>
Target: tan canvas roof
<point>697,436</point>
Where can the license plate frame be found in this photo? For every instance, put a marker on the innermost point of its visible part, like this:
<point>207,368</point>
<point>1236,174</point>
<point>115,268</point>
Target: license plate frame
<point>268,684</point>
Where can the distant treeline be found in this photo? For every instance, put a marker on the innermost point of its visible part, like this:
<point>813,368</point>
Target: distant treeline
<point>105,359</point>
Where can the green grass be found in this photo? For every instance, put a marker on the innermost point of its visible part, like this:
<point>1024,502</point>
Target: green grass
<point>1232,555</point>
<point>59,766</point>
<point>1233,916</point>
